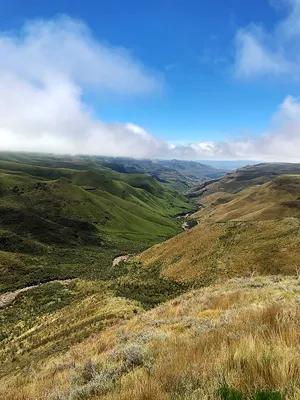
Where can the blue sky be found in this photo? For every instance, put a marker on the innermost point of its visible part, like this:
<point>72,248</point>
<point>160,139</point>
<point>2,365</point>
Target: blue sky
<point>219,70</point>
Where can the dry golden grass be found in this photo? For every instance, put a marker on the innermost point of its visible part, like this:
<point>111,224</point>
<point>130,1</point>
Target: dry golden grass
<point>212,252</point>
<point>253,231</point>
<point>216,198</point>
<point>245,333</point>
<point>273,200</point>
<point>34,339</point>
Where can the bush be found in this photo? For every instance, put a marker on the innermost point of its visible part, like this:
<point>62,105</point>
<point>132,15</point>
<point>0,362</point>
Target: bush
<point>134,355</point>
<point>267,395</point>
<point>99,384</point>
<point>227,393</point>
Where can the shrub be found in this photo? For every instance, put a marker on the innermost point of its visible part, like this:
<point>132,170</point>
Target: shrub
<point>267,395</point>
<point>134,355</point>
<point>227,393</point>
<point>85,373</point>
<point>100,384</point>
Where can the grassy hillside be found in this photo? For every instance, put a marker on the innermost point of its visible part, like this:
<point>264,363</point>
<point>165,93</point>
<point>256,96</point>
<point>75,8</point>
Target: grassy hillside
<point>193,170</point>
<point>169,177</point>
<point>233,341</point>
<point>48,319</point>
<point>66,218</point>
<point>276,199</point>
<point>216,251</point>
<point>251,175</point>
<point>173,174</point>
<point>224,305</point>
<point>255,230</point>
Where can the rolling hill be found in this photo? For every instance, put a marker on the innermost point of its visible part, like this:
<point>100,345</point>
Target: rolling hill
<point>66,218</point>
<point>243,178</point>
<point>173,174</point>
<point>211,313</point>
<point>273,200</point>
<point>251,229</point>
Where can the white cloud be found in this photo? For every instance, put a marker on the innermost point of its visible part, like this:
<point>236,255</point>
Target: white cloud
<point>253,58</point>
<point>44,72</point>
<point>263,53</point>
<point>66,47</point>
<point>280,143</point>
<point>45,69</point>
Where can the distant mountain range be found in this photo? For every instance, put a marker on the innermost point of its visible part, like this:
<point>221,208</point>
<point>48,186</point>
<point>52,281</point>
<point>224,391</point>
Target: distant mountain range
<point>174,174</point>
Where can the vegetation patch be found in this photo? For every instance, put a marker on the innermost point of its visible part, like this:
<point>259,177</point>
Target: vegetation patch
<point>227,393</point>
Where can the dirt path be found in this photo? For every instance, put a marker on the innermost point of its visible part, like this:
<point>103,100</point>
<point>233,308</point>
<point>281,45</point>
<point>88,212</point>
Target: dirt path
<point>119,259</point>
<point>185,224</point>
<point>9,297</point>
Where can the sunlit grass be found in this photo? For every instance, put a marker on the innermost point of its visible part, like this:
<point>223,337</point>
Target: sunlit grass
<point>243,334</point>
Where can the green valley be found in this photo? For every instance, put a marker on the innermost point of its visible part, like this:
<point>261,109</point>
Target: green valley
<point>209,313</point>
<point>66,218</point>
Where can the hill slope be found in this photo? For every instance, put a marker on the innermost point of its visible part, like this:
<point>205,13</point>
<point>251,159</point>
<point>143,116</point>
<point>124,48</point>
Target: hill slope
<point>240,338</point>
<point>251,175</point>
<point>276,199</point>
<point>70,218</point>
<point>89,337</point>
<point>174,174</point>
<point>255,230</point>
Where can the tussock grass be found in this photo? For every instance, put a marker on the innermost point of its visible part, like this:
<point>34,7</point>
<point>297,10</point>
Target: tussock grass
<point>49,319</point>
<point>214,252</point>
<point>244,334</point>
<point>273,200</point>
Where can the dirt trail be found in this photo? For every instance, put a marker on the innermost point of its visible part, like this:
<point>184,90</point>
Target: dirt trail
<point>119,259</point>
<point>185,224</point>
<point>9,297</point>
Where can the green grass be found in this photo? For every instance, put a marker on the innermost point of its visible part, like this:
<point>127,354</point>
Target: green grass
<point>65,218</point>
<point>48,319</point>
<point>227,393</point>
<point>145,285</point>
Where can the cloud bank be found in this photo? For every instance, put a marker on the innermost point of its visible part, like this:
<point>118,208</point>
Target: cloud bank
<point>263,53</point>
<point>46,68</point>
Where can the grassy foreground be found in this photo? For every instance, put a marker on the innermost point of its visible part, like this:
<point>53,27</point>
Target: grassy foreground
<point>242,335</point>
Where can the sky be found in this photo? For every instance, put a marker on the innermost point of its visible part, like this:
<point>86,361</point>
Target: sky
<point>215,80</point>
